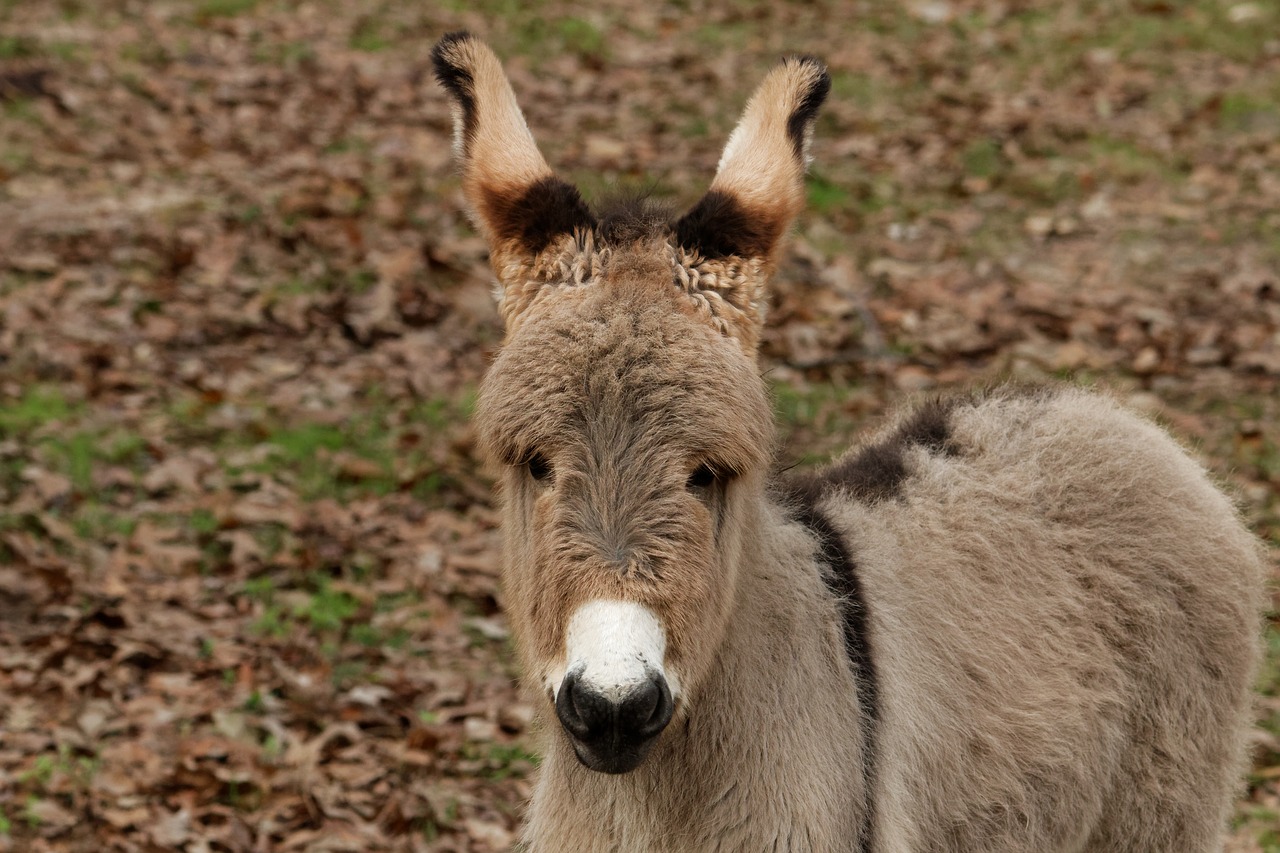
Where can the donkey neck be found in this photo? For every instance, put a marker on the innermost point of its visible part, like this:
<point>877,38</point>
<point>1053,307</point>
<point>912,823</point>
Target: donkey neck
<point>752,763</point>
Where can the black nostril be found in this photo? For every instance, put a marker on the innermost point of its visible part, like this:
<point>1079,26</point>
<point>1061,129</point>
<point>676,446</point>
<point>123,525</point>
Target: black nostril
<point>577,707</point>
<point>648,710</point>
<point>592,717</point>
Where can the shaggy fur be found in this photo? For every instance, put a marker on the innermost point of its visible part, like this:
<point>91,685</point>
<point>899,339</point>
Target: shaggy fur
<point>1010,622</point>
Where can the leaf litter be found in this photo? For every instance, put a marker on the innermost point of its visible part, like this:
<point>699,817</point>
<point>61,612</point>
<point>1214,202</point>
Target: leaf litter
<point>248,555</point>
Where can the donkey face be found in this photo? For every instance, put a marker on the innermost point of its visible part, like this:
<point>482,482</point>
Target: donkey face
<point>624,404</point>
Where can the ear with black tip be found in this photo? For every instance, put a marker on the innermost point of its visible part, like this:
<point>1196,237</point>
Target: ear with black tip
<point>759,185</point>
<point>520,205</point>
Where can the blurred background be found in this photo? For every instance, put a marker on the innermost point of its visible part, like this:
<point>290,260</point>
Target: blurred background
<point>248,558</point>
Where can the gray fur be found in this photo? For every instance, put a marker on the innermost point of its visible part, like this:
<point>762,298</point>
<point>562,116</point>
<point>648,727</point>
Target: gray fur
<point>1062,609</point>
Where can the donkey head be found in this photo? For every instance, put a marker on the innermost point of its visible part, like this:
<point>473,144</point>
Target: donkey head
<point>624,405</point>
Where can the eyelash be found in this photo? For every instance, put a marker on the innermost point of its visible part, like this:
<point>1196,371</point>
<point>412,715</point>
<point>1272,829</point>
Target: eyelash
<point>703,477</point>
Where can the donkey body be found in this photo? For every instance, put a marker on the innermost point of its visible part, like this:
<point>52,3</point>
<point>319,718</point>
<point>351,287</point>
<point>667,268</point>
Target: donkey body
<point>1017,621</point>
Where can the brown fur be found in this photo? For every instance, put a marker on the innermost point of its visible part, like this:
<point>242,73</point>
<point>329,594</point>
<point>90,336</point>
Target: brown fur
<point>1061,610</point>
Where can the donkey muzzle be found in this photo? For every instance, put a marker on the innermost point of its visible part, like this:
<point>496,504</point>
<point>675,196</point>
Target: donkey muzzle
<point>613,734</point>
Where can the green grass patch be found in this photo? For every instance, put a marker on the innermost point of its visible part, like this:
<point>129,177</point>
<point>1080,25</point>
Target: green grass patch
<point>261,589</point>
<point>203,523</point>
<point>1265,821</point>
<point>982,158</point>
<point>345,144</point>
<point>859,89</point>
<point>1044,183</point>
<point>210,9</point>
<point>529,29</point>
<point>725,36</point>
<point>337,622</point>
<point>369,36</point>
<point>501,760</point>
<point>814,420</point>
<point>1241,112</point>
<point>508,760</point>
<point>15,159</point>
<point>99,523</point>
<point>298,286</point>
<point>327,609</point>
<point>26,47</point>
<point>45,421</point>
<point>695,127</point>
<point>78,454</point>
<point>304,442</point>
<point>892,21</point>
<point>346,673</point>
<point>31,813</point>
<point>39,405</point>
<point>541,35</point>
<point>1189,25</point>
<point>48,770</point>
<point>387,603</point>
<point>1269,677</point>
<point>309,451</point>
<point>74,456</point>
<point>581,37</point>
<point>825,196</point>
<point>18,47</point>
<point>289,54</point>
<point>501,9</point>
<point>271,623</point>
<point>370,636</point>
<point>149,53</point>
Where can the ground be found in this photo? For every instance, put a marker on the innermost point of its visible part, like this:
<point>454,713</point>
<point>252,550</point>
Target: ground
<point>248,563</point>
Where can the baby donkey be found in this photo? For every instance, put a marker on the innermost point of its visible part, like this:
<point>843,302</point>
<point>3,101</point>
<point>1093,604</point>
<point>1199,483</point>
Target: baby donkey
<point>1012,621</point>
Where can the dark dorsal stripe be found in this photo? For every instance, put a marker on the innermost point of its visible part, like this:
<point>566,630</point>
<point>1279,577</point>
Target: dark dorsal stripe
<point>841,577</point>
<point>875,473</point>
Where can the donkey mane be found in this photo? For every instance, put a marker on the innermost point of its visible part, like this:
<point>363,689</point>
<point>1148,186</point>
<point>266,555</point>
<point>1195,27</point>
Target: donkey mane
<point>877,471</point>
<point>1012,620</point>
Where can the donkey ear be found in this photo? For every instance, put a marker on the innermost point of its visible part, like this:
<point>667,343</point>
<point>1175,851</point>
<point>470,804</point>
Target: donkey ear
<point>518,202</point>
<point>759,186</point>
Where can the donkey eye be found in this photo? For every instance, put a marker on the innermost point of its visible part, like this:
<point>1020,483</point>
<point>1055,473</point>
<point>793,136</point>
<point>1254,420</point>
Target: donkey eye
<point>539,467</point>
<point>701,478</point>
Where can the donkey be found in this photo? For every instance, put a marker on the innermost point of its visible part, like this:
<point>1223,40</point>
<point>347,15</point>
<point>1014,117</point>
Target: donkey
<point>1011,621</point>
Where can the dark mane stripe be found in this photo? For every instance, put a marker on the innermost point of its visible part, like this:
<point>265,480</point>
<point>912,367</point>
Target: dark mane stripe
<point>875,473</point>
<point>631,216</point>
<point>841,577</point>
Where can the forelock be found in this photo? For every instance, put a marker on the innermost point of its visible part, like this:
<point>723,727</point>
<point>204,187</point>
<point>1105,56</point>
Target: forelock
<point>624,352</point>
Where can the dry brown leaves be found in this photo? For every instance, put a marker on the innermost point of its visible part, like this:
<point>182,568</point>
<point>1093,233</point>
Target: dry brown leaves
<point>248,564</point>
